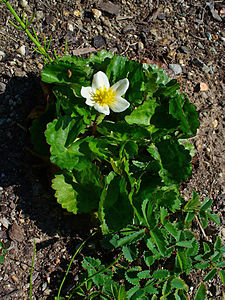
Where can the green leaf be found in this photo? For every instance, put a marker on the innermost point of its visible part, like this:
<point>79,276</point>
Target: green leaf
<point>179,283</point>
<point>65,193</point>
<point>148,258</point>
<point>175,161</point>
<point>218,243</point>
<point>214,217</point>
<point>143,113</point>
<point>222,276</point>
<point>181,109</point>
<point>144,274</point>
<point>131,238</point>
<point>130,252</point>
<point>185,244</point>
<point>194,203</point>
<point>67,70</point>
<point>210,275</point>
<point>118,212</point>
<point>66,151</point>
<point>194,250</point>
<point>182,259</point>
<point>116,69</point>
<point>202,265</point>
<point>160,274</point>
<point>163,215</point>
<point>132,275</point>
<point>132,291</point>
<point>166,288</point>
<point>201,292</point>
<point>172,230</point>
<point>159,241</point>
<point>78,193</point>
<point>206,204</point>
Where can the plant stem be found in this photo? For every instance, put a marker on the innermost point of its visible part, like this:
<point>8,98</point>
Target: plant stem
<point>32,268</point>
<point>67,271</point>
<point>24,27</point>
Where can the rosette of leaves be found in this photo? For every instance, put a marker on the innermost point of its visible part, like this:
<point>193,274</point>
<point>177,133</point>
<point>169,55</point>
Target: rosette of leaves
<point>158,256</point>
<point>111,164</point>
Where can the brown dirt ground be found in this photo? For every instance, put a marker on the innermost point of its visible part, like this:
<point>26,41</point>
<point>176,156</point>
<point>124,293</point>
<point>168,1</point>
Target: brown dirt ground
<point>188,33</point>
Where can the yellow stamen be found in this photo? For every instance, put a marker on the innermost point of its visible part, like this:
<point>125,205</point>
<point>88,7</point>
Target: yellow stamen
<point>104,96</point>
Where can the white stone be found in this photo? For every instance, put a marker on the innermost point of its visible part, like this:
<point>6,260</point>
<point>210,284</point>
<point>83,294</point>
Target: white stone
<point>23,3</point>
<point>70,27</point>
<point>22,50</point>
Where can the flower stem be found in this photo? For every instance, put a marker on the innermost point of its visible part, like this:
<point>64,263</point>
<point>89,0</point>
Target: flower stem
<point>24,27</point>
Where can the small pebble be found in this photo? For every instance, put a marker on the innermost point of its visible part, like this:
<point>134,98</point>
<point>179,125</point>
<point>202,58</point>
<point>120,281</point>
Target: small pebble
<point>176,68</point>
<point>22,50</point>
<point>14,278</point>
<point>5,222</point>
<point>200,46</point>
<point>23,3</point>
<point>70,27</point>
<point>2,55</point>
<point>208,35</point>
<point>161,16</point>
<point>16,233</point>
<point>197,62</point>
<point>215,123</point>
<point>140,46</point>
<point>77,13</point>
<point>44,286</point>
<point>2,87</point>
<point>110,7</point>
<point>185,50</point>
<point>203,87</point>
<point>98,41</point>
<point>96,13</point>
<point>39,15</point>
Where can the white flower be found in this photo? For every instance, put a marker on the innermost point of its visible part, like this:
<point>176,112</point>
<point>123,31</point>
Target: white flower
<point>103,97</point>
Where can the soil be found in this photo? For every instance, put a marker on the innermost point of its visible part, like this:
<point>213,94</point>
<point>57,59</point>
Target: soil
<point>184,37</point>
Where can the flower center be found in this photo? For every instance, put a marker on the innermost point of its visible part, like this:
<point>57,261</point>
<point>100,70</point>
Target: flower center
<point>104,96</point>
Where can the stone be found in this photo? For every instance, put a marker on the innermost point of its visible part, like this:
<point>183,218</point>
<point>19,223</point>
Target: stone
<point>81,51</point>
<point>77,13</point>
<point>23,3</point>
<point>2,55</point>
<point>197,62</point>
<point>22,50</point>
<point>70,27</point>
<point>98,41</point>
<point>16,233</point>
<point>215,123</point>
<point>203,87</point>
<point>208,35</point>
<point>109,7</point>
<point>39,15</point>
<point>176,68</point>
<point>5,222</point>
<point>185,50</point>
<point>161,16</point>
<point>129,28</point>
<point>140,45</point>
<point>96,13</point>
<point>2,87</point>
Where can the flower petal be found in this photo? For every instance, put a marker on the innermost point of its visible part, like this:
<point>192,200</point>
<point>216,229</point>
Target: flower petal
<point>104,109</point>
<point>86,92</point>
<point>90,102</point>
<point>100,80</point>
<point>119,105</point>
<point>121,86</point>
